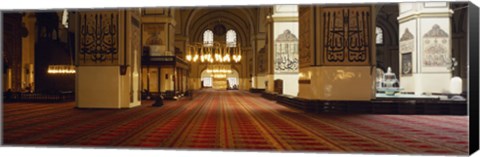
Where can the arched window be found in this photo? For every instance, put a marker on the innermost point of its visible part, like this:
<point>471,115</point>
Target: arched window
<point>208,38</point>
<point>231,38</point>
<point>379,32</point>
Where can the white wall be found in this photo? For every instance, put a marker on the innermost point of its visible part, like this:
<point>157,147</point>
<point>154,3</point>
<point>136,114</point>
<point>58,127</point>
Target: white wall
<point>407,82</point>
<point>290,80</point>
<point>290,83</point>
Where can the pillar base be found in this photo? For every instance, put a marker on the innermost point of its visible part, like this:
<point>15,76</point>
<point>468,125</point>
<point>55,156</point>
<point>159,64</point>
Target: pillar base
<point>100,87</point>
<point>350,83</point>
<point>426,83</point>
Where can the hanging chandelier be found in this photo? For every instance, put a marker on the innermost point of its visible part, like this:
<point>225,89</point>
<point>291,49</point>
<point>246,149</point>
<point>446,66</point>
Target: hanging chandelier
<point>61,69</point>
<point>219,70</point>
<point>219,76</point>
<point>214,53</point>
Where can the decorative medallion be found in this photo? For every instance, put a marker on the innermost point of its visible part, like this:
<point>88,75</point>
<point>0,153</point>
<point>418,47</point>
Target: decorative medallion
<point>406,35</point>
<point>435,48</point>
<point>436,32</point>
<point>406,41</point>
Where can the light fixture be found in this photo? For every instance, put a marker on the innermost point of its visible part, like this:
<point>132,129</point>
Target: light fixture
<point>220,76</point>
<point>61,69</point>
<point>214,53</point>
<point>219,69</point>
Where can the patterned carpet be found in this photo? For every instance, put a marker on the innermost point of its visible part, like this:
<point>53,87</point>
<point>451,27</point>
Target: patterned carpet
<point>232,120</point>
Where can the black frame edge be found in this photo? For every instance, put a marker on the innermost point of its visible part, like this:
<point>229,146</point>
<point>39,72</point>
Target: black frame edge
<point>473,39</point>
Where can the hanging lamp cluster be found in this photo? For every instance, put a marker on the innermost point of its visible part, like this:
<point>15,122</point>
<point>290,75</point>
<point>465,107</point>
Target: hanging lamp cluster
<point>219,69</point>
<point>61,69</point>
<point>214,53</point>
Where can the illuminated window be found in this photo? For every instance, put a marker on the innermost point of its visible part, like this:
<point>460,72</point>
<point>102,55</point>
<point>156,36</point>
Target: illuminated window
<point>231,38</point>
<point>208,38</point>
<point>379,32</point>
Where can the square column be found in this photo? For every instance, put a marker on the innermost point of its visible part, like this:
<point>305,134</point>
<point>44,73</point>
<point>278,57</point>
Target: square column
<point>425,47</point>
<point>108,59</point>
<point>337,53</point>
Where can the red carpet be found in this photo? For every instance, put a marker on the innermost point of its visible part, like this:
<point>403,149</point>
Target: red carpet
<point>231,120</point>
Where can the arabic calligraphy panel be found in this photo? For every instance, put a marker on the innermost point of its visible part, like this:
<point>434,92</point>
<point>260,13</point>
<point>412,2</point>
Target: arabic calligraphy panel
<point>346,35</point>
<point>98,38</point>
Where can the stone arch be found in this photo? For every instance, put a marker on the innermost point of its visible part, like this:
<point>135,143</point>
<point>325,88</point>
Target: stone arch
<point>229,24</point>
<point>387,53</point>
<point>237,18</point>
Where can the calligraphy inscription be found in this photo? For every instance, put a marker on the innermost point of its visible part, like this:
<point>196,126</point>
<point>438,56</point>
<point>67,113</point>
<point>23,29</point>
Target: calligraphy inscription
<point>98,38</point>
<point>286,52</point>
<point>346,35</point>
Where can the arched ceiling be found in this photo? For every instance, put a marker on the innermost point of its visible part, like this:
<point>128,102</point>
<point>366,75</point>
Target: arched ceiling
<point>240,19</point>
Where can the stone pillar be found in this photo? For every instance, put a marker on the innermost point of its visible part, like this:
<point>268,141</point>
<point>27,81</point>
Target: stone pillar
<point>283,48</point>
<point>178,83</point>
<point>244,69</point>
<point>28,51</point>
<point>269,55</point>
<point>425,47</point>
<point>260,60</point>
<point>7,82</point>
<point>185,80</point>
<point>253,63</point>
<point>260,48</point>
<point>108,59</point>
<point>337,53</point>
<point>178,79</point>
